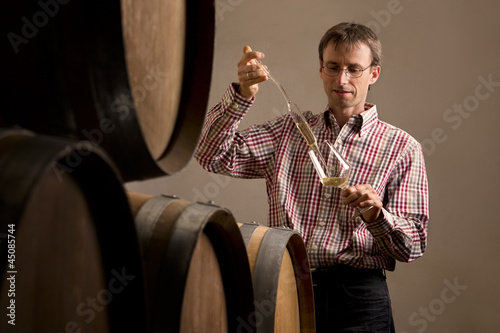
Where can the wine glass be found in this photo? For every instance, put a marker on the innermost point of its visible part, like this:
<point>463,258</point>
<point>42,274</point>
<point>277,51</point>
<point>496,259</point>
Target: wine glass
<point>332,169</point>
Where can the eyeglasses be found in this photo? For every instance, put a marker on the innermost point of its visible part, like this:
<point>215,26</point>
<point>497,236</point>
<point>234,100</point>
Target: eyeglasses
<point>334,71</point>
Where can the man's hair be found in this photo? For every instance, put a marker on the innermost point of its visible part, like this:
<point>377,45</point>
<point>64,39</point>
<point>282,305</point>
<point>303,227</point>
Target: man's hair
<point>349,35</point>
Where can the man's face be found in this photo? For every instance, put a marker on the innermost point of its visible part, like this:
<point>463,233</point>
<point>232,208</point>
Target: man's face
<point>345,93</point>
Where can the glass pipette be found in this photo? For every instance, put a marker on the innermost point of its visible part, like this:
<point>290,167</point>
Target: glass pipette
<point>298,117</point>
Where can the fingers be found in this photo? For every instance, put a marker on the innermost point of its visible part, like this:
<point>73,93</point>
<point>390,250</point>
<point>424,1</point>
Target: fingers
<point>361,196</point>
<point>250,73</point>
<point>364,196</point>
<point>249,55</point>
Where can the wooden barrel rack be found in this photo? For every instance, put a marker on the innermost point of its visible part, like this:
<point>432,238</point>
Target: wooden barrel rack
<point>96,94</point>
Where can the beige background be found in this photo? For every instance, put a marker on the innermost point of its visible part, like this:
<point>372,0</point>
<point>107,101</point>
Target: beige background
<point>434,55</point>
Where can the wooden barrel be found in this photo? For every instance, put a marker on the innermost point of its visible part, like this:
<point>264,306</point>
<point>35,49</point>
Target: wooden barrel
<point>197,271</point>
<point>132,77</point>
<point>281,279</point>
<point>70,260</point>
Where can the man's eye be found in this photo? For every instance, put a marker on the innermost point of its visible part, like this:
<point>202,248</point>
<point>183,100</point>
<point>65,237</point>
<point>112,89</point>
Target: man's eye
<point>333,68</point>
<point>353,70</point>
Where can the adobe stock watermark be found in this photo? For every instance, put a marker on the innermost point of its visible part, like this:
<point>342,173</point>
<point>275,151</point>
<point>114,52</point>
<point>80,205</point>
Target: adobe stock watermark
<point>456,114</point>
<point>428,314</point>
<point>383,17</point>
<point>223,6</point>
<point>212,189</point>
<point>121,106</point>
<point>30,27</point>
<point>88,308</point>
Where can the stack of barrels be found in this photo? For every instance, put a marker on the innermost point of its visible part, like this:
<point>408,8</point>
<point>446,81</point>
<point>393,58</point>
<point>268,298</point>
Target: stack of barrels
<point>98,93</point>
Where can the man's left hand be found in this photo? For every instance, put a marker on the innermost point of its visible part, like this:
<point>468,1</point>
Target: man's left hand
<point>363,196</point>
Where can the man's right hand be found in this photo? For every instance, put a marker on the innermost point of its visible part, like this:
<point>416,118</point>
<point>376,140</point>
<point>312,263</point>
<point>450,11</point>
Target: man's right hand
<point>249,73</point>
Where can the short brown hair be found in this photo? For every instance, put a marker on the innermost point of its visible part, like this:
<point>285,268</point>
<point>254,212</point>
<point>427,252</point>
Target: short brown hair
<point>349,35</point>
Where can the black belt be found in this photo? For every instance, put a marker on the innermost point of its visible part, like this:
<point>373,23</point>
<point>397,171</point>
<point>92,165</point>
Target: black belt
<point>346,270</point>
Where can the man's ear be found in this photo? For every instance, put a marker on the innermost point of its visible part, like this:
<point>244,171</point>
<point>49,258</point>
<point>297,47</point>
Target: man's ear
<point>374,74</point>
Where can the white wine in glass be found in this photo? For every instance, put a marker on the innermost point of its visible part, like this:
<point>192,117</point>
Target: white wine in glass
<point>334,182</point>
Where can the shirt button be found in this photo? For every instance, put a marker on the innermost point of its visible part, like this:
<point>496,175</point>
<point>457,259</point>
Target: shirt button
<point>327,195</point>
<point>315,247</point>
<point>322,224</point>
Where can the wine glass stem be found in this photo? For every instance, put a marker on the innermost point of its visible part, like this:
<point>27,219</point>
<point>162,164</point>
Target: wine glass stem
<point>361,211</point>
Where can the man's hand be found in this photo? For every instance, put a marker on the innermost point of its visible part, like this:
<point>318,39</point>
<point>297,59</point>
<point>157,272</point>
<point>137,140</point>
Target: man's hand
<point>249,73</point>
<point>363,196</point>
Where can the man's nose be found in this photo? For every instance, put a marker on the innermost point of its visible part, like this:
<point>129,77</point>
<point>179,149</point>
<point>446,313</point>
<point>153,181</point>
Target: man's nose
<point>342,78</point>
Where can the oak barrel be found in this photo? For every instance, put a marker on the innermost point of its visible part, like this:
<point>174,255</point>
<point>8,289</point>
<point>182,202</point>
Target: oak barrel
<point>197,271</point>
<point>281,278</point>
<point>132,77</point>
<point>70,260</point>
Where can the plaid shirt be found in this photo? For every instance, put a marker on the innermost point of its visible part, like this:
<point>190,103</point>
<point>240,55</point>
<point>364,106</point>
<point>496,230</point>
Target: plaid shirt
<point>381,155</point>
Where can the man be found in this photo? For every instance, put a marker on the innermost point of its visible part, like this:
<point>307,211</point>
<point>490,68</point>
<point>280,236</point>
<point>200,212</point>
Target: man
<point>348,253</point>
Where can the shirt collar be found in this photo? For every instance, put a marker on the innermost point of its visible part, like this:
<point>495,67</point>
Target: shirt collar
<point>362,122</point>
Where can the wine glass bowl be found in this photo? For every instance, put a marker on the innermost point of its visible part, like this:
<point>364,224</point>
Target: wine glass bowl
<point>331,167</point>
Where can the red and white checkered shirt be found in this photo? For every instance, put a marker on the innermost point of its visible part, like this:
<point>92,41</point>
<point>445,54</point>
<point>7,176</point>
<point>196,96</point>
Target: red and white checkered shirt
<point>381,155</point>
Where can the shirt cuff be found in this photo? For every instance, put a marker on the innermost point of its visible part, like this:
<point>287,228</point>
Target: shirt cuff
<point>235,104</point>
<point>381,226</point>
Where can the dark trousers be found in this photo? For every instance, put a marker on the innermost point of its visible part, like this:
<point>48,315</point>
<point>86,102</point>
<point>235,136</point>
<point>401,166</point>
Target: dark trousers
<point>351,300</point>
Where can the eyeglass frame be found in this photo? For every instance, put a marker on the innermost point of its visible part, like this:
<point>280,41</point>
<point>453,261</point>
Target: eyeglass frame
<point>346,71</point>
